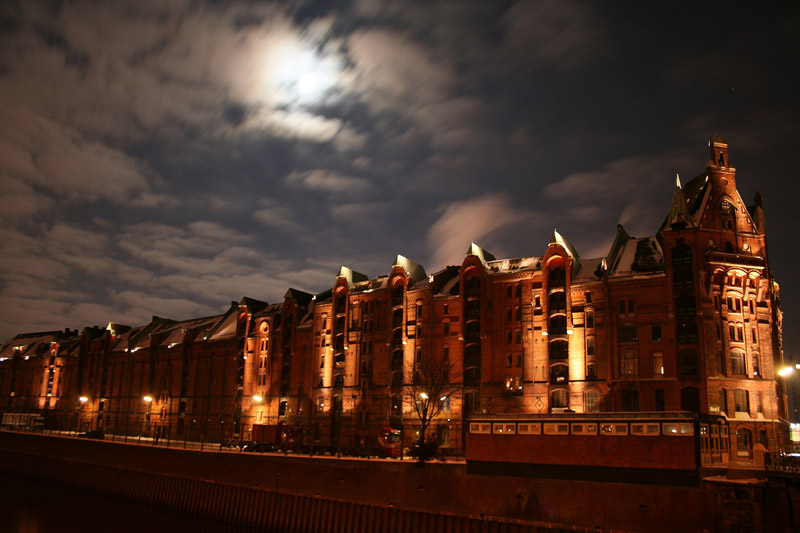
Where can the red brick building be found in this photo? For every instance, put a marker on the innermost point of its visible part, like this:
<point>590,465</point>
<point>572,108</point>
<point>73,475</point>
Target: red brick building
<point>685,320</point>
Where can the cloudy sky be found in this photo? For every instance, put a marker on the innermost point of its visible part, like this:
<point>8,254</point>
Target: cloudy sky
<point>168,157</point>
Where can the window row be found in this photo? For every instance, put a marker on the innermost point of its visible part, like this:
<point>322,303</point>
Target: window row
<point>645,429</point>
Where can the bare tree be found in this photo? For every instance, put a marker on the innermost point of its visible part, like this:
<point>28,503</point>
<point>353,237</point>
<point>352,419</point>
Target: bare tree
<point>431,383</point>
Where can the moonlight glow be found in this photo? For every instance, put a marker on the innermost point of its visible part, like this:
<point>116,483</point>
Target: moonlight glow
<point>303,77</point>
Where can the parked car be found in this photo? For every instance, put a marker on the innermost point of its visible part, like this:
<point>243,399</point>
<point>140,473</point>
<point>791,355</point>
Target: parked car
<point>259,447</point>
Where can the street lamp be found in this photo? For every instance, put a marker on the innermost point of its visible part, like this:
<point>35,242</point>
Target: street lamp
<point>257,398</point>
<point>783,372</point>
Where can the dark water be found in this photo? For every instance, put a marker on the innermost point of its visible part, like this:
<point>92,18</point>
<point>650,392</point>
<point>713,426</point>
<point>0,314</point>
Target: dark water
<point>28,506</point>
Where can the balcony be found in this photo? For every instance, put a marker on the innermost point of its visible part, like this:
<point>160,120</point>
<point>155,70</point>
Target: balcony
<point>727,259</point>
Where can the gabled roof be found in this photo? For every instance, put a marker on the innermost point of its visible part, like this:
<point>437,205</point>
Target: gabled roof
<point>413,270</point>
<point>370,285</point>
<point>351,275</point>
<point>480,253</point>
<point>302,299</point>
<point>32,343</point>
<point>638,257</point>
<point>253,306</point>
<point>446,281</point>
<point>557,238</point>
<point>620,239</point>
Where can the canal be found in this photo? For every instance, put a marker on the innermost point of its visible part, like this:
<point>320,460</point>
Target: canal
<point>28,506</point>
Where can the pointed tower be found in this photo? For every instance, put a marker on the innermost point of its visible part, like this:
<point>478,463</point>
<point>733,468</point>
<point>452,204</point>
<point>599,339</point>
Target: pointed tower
<point>679,216</point>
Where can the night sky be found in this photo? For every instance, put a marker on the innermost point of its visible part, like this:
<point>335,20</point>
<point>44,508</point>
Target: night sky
<point>165,158</point>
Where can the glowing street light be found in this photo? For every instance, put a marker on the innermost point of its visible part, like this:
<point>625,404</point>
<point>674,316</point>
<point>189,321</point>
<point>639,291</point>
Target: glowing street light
<point>783,372</point>
<point>257,398</point>
<point>423,395</point>
<point>83,399</point>
<point>148,399</point>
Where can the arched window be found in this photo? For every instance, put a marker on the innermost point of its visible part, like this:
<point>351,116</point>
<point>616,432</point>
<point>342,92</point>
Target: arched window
<point>559,399</point>
<point>559,374</point>
<point>472,377</point>
<point>559,349</point>
<point>558,325</point>
<point>557,302</point>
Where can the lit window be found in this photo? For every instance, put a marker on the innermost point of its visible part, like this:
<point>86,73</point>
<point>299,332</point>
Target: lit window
<point>658,363</point>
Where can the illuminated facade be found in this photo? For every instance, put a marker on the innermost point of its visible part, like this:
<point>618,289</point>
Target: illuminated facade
<point>685,320</point>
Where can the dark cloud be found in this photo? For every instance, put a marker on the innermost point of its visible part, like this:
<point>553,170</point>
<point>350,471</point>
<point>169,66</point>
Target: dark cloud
<point>165,158</point>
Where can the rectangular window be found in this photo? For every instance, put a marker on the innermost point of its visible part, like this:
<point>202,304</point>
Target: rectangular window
<point>508,337</point>
<point>529,428</point>
<point>480,427</point>
<point>614,429</point>
<point>656,332</point>
<point>589,318</point>
<point>660,402</point>
<point>649,429</point>
<point>630,400</point>
<point>508,291</point>
<point>588,297</point>
<point>629,364</point>
<point>514,384</point>
<point>508,360</point>
<point>446,309</point>
<point>628,333</point>
<point>590,346</point>
<point>504,427</point>
<point>584,429</point>
<point>658,364</point>
<point>678,429</point>
<point>741,400</point>
<point>519,360</point>
<point>737,362</point>
<point>553,428</point>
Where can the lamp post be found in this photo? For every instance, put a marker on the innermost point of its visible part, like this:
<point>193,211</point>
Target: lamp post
<point>83,400</point>
<point>148,400</point>
<point>782,373</point>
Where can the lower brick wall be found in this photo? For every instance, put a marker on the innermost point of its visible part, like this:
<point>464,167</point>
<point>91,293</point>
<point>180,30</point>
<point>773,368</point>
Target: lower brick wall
<point>286,493</point>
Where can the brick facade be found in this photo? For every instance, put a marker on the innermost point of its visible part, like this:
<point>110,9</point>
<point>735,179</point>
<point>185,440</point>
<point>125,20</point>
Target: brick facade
<point>685,320</point>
